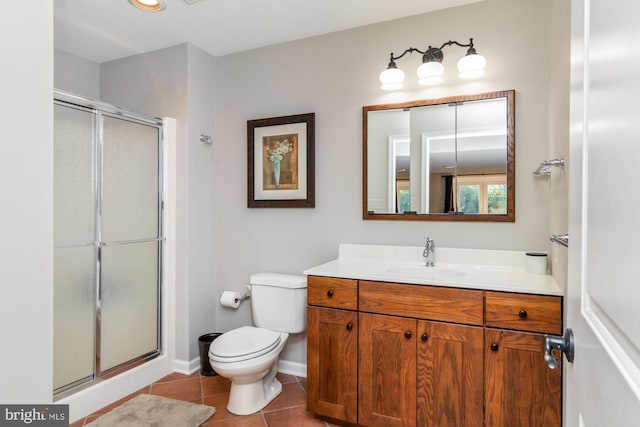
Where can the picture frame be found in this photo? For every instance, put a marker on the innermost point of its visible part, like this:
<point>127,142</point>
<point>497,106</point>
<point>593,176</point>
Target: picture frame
<point>280,167</point>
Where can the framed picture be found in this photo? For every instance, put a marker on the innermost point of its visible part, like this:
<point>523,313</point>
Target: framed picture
<point>281,162</point>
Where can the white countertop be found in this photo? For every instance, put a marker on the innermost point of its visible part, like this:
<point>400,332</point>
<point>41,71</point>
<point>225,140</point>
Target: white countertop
<point>492,270</point>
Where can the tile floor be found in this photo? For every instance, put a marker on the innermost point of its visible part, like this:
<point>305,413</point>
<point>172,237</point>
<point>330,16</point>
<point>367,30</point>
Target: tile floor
<point>288,409</point>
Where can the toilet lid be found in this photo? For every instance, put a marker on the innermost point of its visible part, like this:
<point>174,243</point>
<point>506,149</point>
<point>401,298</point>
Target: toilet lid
<point>244,343</point>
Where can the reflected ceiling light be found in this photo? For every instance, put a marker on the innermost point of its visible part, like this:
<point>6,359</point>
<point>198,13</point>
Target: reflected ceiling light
<point>148,5</point>
<point>470,66</point>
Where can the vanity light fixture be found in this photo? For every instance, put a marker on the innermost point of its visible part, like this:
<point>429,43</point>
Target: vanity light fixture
<point>148,5</point>
<point>430,72</point>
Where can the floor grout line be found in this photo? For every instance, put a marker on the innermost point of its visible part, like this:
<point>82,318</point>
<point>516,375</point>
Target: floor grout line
<point>176,382</point>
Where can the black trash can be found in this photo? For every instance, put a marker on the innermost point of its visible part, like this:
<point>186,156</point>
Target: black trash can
<point>204,342</point>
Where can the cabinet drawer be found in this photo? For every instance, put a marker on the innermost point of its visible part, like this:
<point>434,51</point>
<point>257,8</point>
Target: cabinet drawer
<point>422,302</point>
<point>533,313</point>
<point>332,292</point>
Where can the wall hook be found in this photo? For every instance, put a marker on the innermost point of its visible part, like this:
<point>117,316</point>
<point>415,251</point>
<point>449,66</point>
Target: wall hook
<point>206,139</point>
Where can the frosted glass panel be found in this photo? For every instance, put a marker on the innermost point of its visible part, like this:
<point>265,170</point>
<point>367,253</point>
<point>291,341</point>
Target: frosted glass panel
<point>118,173</point>
<point>129,285</point>
<point>74,200</point>
<point>73,314</point>
<point>129,181</point>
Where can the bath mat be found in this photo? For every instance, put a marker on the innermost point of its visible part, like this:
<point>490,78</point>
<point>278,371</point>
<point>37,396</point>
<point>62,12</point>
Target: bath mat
<point>146,410</point>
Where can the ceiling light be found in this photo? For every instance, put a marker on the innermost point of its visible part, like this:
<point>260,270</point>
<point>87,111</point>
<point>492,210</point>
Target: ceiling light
<point>430,72</point>
<point>148,5</point>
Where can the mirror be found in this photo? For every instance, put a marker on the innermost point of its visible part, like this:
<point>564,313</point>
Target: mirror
<point>449,159</point>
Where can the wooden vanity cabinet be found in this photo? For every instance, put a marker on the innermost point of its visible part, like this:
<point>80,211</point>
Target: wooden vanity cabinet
<point>394,354</point>
<point>450,375</point>
<point>387,371</point>
<point>332,348</point>
<point>415,372</point>
<point>419,373</point>
<point>520,389</point>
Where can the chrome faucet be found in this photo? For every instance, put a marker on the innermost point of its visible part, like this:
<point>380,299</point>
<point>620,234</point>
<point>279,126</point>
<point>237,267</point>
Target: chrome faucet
<point>429,252</point>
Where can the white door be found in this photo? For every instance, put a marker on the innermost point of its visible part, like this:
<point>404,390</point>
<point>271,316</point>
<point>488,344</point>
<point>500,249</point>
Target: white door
<point>603,300</point>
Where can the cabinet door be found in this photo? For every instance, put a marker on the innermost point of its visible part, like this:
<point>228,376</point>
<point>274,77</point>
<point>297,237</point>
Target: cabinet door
<point>520,389</point>
<point>450,375</point>
<point>387,371</point>
<point>332,363</point>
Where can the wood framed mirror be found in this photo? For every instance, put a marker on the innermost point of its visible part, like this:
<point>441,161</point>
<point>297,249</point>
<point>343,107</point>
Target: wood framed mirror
<point>447,159</point>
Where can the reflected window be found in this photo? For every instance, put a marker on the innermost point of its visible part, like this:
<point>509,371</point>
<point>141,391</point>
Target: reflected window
<point>403,196</point>
<point>483,194</point>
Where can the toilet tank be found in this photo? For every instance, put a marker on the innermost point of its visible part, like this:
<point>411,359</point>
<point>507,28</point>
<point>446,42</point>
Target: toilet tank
<point>279,301</point>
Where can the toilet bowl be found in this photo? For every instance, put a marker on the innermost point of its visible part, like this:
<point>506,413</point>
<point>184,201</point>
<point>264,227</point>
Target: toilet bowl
<point>252,366</point>
<point>248,355</point>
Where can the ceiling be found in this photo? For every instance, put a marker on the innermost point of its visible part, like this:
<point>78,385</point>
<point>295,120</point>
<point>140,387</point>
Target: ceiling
<point>103,30</point>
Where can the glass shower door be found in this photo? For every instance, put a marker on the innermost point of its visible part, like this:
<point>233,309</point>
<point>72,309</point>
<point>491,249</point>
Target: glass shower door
<point>130,241</point>
<point>75,253</point>
<point>108,242</point>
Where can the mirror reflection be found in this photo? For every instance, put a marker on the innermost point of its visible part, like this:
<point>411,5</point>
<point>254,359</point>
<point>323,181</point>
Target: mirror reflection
<point>446,159</point>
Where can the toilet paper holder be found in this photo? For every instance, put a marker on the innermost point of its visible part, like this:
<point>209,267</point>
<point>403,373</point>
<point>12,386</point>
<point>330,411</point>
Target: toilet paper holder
<point>233,299</point>
<point>244,297</point>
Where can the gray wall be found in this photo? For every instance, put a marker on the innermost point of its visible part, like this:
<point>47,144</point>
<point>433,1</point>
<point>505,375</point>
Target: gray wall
<point>334,76</point>
<point>558,183</point>
<point>76,75</point>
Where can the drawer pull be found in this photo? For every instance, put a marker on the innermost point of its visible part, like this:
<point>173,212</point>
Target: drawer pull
<point>407,335</point>
<point>329,293</point>
<point>424,337</point>
<point>523,314</point>
<point>494,347</point>
<point>349,326</point>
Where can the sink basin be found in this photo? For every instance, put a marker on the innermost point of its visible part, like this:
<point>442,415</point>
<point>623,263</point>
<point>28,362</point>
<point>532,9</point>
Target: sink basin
<point>423,272</point>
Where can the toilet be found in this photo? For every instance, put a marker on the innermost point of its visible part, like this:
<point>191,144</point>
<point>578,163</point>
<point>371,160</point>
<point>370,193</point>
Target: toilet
<point>248,355</point>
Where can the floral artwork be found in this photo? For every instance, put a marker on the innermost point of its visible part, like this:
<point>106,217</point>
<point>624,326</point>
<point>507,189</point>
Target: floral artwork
<point>280,162</point>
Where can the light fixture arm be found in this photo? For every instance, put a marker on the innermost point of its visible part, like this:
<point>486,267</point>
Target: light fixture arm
<point>434,52</point>
<point>410,50</point>
<point>451,42</point>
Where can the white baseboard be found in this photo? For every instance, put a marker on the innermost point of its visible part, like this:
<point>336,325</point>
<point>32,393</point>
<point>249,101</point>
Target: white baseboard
<point>292,368</point>
<point>187,367</point>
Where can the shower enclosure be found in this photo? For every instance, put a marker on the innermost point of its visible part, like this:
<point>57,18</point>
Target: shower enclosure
<point>108,241</point>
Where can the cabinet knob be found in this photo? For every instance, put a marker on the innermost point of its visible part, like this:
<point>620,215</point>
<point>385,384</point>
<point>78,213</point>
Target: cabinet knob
<point>407,335</point>
<point>523,314</point>
<point>329,293</point>
<point>494,347</point>
<point>424,337</point>
<point>349,326</point>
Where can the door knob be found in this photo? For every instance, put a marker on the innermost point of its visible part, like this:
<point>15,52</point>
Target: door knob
<point>563,343</point>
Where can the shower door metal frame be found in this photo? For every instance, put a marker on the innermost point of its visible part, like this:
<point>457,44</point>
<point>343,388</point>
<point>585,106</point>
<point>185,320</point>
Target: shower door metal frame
<point>99,110</point>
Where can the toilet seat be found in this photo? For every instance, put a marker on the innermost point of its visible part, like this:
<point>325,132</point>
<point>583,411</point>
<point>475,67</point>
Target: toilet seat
<point>244,343</point>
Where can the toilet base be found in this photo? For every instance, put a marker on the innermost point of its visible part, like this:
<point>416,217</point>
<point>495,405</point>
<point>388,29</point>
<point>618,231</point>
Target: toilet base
<point>246,399</point>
